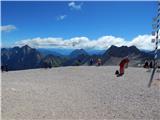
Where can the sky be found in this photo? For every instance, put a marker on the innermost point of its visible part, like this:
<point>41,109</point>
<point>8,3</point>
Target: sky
<point>70,24</point>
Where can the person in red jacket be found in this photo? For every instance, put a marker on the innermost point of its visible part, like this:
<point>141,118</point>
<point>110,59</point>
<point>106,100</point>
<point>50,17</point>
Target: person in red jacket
<point>123,64</point>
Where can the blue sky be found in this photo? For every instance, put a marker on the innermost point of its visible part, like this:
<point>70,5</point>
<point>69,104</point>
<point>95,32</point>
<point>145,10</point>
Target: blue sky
<point>67,20</point>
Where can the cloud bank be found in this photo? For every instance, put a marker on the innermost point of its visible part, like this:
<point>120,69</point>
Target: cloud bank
<point>104,42</point>
<point>7,28</point>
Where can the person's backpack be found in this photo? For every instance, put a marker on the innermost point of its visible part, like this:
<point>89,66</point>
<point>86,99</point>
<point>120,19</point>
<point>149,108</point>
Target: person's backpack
<point>117,72</point>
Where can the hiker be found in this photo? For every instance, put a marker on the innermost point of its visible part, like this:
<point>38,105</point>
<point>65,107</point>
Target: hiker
<point>123,64</point>
<point>158,65</point>
<point>151,64</point>
<point>99,62</point>
<point>91,62</point>
<point>146,64</point>
<point>2,68</point>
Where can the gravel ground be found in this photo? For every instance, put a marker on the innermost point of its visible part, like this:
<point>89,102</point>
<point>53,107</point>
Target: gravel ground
<point>86,93</point>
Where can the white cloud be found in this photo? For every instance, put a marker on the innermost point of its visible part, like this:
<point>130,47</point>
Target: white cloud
<point>104,42</point>
<point>8,28</point>
<point>143,42</point>
<point>75,6</point>
<point>61,17</point>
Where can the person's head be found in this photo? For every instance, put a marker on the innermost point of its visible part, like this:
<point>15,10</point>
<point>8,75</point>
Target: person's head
<point>126,57</point>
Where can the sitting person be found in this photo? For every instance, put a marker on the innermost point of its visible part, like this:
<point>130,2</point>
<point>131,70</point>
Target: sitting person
<point>99,62</point>
<point>146,64</point>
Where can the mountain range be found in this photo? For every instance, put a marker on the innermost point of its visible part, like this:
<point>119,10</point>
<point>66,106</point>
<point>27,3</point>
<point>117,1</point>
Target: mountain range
<point>66,52</point>
<point>20,58</point>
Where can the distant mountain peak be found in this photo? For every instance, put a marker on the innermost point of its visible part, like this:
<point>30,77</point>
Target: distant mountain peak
<point>78,52</point>
<point>113,46</point>
<point>26,47</point>
<point>122,51</point>
<point>16,47</point>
